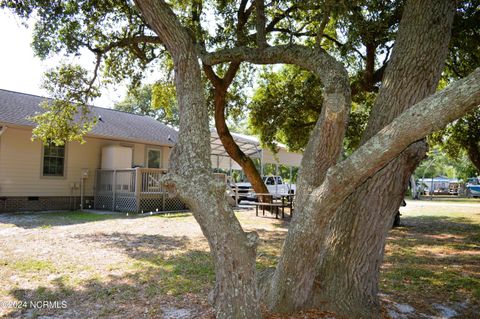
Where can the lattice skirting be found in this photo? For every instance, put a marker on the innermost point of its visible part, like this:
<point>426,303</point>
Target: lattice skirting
<point>104,202</point>
<point>148,203</point>
<point>161,203</point>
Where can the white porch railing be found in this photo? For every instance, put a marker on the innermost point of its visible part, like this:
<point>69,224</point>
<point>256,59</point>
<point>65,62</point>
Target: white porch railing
<point>136,189</point>
<point>141,190</point>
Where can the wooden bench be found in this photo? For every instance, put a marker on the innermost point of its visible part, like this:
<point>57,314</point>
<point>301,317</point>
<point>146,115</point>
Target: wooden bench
<point>282,200</point>
<point>277,205</point>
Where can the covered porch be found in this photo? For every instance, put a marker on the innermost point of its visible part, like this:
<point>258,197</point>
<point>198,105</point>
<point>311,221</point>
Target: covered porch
<point>140,189</point>
<point>133,190</point>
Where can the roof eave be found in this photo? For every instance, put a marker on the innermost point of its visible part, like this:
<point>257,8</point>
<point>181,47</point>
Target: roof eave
<point>106,137</point>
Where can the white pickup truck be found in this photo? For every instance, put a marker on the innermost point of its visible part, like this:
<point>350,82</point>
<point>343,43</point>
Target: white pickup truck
<point>275,186</point>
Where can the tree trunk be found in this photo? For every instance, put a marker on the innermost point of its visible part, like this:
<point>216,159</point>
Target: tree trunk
<point>233,251</point>
<point>190,176</point>
<point>473,151</point>
<point>353,247</point>
<point>233,150</point>
<point>302,254</point>
<point>324,185</point>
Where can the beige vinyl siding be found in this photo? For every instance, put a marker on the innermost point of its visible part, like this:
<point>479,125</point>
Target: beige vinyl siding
<point>21,165</point>
<point>139,155</point>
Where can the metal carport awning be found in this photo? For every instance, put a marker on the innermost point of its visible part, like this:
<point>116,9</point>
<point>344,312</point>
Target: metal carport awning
<point>249,145</point>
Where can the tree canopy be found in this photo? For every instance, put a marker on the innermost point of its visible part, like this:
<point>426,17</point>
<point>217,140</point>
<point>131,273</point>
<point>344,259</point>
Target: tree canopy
<point>286,106</point>
<point>344,205</point>
<point>156,100</point>
<point>463,136</point>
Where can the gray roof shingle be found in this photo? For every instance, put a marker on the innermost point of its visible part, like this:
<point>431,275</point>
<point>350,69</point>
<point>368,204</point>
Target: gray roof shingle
<point>15,107</point>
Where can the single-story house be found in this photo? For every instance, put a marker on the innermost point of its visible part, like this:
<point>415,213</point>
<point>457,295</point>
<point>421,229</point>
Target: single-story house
<point>119,166</point>
<point>34,176</point>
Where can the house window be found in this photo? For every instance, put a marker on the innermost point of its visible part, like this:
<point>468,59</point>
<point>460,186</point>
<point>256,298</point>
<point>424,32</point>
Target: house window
<point>53,160</point>
<point>154,158</point>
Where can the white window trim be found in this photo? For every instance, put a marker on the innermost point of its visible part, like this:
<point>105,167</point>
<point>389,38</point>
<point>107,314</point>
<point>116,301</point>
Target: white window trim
<point>65,157</point>
<point>156,149</point>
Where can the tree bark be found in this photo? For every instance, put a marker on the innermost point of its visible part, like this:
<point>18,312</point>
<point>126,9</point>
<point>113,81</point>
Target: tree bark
<point>324,184</point>
<point>473,151</point>
<point>220,92</point>
<point>234,150</point>
<point>303,256</point>
<point>190,176</point>
<point>294,281</point>
<point>353,247</point>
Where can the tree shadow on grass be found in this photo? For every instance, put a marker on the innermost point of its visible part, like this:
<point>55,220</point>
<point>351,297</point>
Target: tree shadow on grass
<point>139,246</point>
<point>166,272</point>
<point>439,230</point>
<point>434,259</point>
<point>153,249</point>
<point>65,218</point>
<point>163,274</point>
<point>60,218</point>
<point>146,293</point>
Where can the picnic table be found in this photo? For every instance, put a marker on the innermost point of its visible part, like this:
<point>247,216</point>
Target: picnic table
<point>286,200</point>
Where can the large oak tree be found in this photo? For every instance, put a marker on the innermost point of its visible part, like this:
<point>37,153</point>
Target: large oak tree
<point>334,247</point>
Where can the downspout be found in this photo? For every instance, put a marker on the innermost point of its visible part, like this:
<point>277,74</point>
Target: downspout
<point>3,128</point>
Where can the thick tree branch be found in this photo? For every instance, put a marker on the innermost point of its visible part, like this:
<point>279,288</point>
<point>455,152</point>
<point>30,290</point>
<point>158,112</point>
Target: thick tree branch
<point>243,14</point>
<point>297,33</point>
<point>260,22</point>
<point>345,177</point>
<point>230,74</point>
<point>232,249</point>
<point>323,25</point>
<point>221,86</point>
<point>325,144</point>
<point>212,76</point>
<point>169,30</point>
<point>431,114</point>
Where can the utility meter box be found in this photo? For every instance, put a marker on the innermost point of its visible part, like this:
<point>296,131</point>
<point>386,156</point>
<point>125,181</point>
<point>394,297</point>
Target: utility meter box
<point>116,157</point>
<point>85,172</point>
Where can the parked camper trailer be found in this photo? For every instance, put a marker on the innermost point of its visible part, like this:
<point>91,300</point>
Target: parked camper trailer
<point>473,187</point>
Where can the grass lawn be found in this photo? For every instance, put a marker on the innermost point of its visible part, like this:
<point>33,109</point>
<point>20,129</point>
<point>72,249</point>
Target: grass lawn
<point>434,258</point>
<point>118,266</point>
